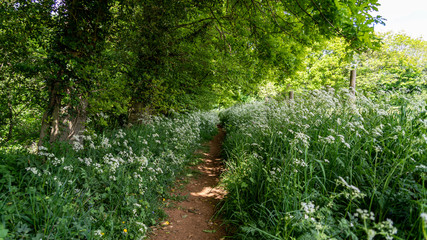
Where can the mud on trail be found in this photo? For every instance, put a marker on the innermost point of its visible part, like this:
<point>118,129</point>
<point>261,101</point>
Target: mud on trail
<point>192,217</point>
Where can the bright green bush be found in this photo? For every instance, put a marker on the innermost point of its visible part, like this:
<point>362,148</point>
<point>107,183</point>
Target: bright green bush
<point>107,186</point>
<point>327,166</point>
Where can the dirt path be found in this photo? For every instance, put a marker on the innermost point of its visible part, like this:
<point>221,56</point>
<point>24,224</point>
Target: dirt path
<point>191,218</point>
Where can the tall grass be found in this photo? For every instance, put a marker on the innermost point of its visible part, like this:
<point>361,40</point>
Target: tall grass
<point>108,186</point>
<point>327,166</point>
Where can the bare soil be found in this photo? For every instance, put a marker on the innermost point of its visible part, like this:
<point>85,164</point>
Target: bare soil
<point>193,218</point>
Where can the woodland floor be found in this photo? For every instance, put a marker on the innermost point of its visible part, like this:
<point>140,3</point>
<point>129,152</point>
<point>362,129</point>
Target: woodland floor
<point>191,218</point>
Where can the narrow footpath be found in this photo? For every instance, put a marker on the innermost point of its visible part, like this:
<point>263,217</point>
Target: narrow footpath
<point>192,218</point>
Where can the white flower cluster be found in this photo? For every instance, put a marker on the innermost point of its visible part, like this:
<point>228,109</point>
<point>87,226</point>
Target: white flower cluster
<point>112,161</point>
<point>275,171</point>
<point>300,162</point>
<point>309,209</point>
<point>423,216</point>
<point>34,170</point>
<point>68,168</point>
<point>58,161</point>
<point>87,161</point>
<point>120,134</point>
<point>98,233</point>
<point>421,167</point>
<point>143,228</point>
<point>105,142</point>
<point>378,130</point>
<point>364,214</point>
<point>43,152</point>
<point>329,139</point>
<point>386,229</point>
<point>301,138</point>
<point>77,146</point>
<point>354,191</point>
<point>342,138</point>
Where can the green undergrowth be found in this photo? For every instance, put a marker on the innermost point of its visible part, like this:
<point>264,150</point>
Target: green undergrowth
<point>108,186</point>
<point>327,166</point>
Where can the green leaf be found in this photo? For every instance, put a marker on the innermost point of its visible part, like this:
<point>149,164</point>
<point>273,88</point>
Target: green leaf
<point>3,232</point>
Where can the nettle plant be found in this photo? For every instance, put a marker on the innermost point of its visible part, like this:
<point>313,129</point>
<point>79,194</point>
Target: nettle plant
<point>106,186</point>
<point>327,165</point>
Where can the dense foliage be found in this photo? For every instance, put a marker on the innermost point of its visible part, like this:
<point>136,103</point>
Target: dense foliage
<point>327,166</point>
<point>107,186</point>
<point>68,61</point>
<point>400,63</point>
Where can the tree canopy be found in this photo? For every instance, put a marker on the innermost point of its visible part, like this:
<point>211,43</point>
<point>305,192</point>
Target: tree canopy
<point>79,60</point>
<point>400,63</point>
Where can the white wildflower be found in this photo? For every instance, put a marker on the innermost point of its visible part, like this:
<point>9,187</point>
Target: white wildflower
<point>354,191</point>
<point>421,167</point>
<point>364,214</point>
<point>424,217</point>
<point>68,168</point>
<point>120,134</point>
<point>98,167</point>
<point>377,131</point>
<point>98,233</point>
<point>77,146</point>
<point>329,139</point>
<point>343,141</point>
<point>34,170</point>
<point>41,148</point>
<point>300,162</point>
<point>309,207</point>
<point>105,142</point>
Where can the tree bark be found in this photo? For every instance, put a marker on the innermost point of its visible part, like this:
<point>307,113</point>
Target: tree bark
<point>51,114</point>
<point>74,124</point>
<point>60,121</point>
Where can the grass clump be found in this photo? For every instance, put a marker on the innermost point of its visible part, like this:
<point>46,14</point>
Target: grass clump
<point>327,166</point>
<point>107,186</point>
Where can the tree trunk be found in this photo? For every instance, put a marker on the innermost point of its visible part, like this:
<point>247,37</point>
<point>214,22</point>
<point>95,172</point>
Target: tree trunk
<point>63,121</point>
<point>51,114</point>
<point>74,124</point>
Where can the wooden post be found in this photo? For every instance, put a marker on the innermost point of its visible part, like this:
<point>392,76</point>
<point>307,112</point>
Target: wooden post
<point>352,81</point>
<point>290,92</point>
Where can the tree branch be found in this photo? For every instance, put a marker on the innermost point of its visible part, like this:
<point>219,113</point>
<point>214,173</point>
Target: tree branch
<point>192,23</point>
